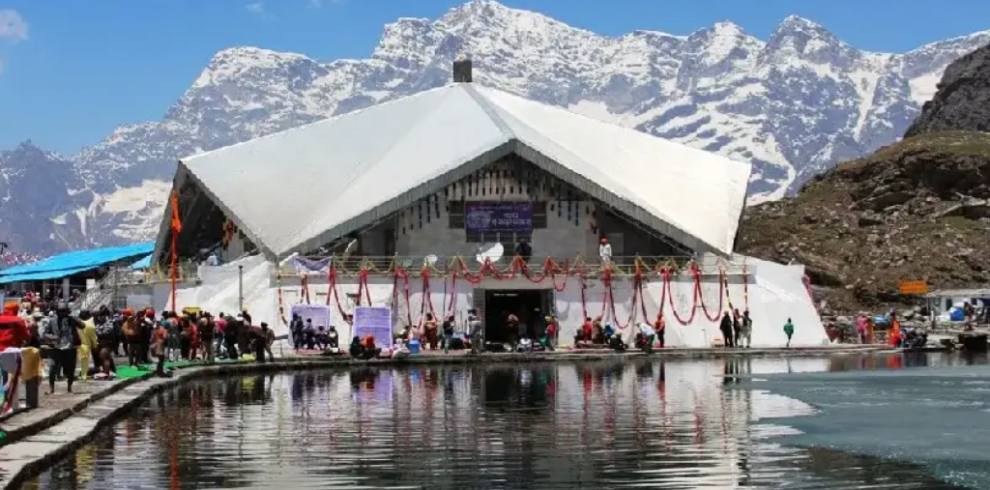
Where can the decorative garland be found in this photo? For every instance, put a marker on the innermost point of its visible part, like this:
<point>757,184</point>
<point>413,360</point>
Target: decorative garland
<point>451,305</point>
<point>701,298</point>
<point>670,298</point>
<point>363,292</point>
<point>550,269</point>
<point>304,285</point>
<point>610,295</point>
<point>427,300</point>
<point>332,291</point>
<point>395,293</point>
<point>584,301</point>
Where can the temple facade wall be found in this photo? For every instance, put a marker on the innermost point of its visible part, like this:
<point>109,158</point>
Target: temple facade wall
<point>561,238</point>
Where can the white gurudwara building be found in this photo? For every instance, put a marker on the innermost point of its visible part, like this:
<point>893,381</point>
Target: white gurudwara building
<point>419,204</point>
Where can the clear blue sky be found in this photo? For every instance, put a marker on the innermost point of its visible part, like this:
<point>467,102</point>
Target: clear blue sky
<point>87,66</point>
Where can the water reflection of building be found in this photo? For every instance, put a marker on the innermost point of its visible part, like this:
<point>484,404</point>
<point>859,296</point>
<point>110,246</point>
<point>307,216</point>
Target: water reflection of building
<point>683,405</point>
<point>673,423</point>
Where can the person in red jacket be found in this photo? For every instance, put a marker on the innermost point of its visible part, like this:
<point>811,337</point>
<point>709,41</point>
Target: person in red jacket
<point>13,331</point>
<point>13,328</point>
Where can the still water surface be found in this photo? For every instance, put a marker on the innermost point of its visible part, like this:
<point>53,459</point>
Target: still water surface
<point>671,425</point>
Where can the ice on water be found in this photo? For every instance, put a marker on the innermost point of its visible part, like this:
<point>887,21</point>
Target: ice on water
<point>936,417</point>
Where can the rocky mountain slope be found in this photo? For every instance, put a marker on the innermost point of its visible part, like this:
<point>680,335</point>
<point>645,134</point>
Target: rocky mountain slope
<point>963,98</point>
<point>917,210</point>
<point>35,187</point>
<point>792,104</point>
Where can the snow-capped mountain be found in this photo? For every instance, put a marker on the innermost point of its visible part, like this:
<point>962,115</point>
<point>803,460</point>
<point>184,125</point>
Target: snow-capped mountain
<point>793,104</point>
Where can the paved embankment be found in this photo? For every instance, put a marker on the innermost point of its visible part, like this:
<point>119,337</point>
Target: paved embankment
<point>36,438</point>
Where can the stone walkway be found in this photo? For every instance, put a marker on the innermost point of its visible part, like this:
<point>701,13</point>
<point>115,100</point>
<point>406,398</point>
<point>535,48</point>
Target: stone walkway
<point>53,408</point>
<point>64,422</point>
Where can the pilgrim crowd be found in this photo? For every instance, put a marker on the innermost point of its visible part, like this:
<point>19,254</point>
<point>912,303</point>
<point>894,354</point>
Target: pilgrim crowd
<point>90,343</point>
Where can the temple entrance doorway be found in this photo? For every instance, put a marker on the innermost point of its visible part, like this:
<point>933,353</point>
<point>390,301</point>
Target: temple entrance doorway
<point>529,305</point>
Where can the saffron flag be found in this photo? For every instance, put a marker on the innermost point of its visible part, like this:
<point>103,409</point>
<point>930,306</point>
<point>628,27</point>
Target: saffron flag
<point>176,222</point>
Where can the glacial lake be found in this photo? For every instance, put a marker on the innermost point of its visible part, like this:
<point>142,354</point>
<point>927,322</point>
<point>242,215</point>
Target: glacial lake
<point>847,422</point>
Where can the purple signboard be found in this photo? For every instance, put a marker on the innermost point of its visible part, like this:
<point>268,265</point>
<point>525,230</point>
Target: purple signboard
<point>498,216</point>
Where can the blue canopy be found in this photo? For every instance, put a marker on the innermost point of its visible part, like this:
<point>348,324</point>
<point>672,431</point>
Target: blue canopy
<point>71,263</point>
<point>142,264</point>
<point>41,276</point>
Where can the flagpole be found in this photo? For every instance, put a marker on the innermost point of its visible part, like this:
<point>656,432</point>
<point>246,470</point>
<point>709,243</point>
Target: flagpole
<point>176,229</point>
<point>175,261</point>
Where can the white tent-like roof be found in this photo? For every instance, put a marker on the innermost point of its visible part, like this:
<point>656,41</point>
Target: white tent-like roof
<point>299,189</point>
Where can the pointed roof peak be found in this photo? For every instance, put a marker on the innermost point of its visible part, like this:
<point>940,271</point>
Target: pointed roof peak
<point>358,168</point>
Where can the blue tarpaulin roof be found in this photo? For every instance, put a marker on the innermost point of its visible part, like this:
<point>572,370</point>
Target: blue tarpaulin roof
<point>71,263</point>
<point>41,276</point>
<point>143,263</point>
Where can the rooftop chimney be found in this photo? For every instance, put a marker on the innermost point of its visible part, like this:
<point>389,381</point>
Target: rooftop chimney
<point>462,69</point>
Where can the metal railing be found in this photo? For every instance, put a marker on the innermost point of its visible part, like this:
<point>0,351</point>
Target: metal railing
<point>625,265</point>
<point>186,271</point>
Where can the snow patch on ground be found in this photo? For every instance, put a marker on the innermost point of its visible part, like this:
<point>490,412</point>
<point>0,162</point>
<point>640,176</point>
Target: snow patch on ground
<point>923,88</point>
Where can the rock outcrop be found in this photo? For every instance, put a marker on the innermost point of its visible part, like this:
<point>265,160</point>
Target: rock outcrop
<point>963,98</point>
<point>916,210</point>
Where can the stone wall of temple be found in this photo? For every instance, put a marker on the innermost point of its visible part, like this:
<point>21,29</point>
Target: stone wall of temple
<point>566,223</point>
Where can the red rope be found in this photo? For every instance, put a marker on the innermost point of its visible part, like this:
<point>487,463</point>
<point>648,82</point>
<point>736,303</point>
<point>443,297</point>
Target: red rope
<point>553,276</point>
<point>305,289</point>
<point>642,301</point>
<point>367,287</point>
<point>473,279</point>
<point>452,304</point>
<point>332,292</point>
<point>701,298</point>
<point>610,293</point>
<point>331,279</point>
<point>547,269</point>
<point>670,299</point>
<point>584,301</point>
<point>427,299</point>
<point>550,269</point>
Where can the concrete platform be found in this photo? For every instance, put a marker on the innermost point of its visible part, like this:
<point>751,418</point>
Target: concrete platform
<point>65,422</point>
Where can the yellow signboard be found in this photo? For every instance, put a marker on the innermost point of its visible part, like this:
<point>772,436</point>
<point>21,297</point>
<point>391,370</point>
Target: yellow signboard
<point>913,287</point>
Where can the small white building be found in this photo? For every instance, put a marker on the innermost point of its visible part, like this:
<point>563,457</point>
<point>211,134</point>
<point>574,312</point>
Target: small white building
<point>460,169</point>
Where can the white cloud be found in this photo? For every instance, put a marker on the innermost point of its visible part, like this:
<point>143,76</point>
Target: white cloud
<point>12,26</point>
<point>258,8</point>
<point>320,3</point>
